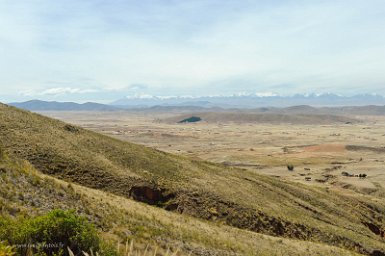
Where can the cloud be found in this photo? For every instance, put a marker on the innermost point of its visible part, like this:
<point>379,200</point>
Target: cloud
<point>190,47</point>
<point>58,91</point>
<point>138,87</point>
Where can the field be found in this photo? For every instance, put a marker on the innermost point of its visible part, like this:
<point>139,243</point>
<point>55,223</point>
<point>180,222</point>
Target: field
<point>318,152</point>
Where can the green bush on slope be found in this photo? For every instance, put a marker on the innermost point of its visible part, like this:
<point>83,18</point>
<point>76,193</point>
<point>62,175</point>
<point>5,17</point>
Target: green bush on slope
<point>50,234</point>
<point>6,250</point>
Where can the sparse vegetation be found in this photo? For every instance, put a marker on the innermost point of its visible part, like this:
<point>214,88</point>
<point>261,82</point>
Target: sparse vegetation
<point>119,219</point>
<point>218,196</point>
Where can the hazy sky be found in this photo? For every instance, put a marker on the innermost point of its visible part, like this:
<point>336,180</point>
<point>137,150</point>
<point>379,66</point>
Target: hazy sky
<point>103,50</point>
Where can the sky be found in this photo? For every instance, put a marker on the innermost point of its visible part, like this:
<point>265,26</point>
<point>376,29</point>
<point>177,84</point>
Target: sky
<point>94,50</point>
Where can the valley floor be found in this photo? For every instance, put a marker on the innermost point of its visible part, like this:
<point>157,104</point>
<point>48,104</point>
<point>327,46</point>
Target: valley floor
<point>319,153</point>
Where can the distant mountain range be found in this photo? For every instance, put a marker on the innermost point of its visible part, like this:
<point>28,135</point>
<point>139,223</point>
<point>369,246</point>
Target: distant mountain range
<point>312,102</point>
<point>38,105</point>
<point>253,101</point>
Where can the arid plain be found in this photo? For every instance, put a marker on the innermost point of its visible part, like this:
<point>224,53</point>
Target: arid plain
<point>331,155</point>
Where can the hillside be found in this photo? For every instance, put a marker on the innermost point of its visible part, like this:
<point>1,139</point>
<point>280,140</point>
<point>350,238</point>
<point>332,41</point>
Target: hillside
<point>269,118</point>
<point>211,192</point>
<point>27,192</point>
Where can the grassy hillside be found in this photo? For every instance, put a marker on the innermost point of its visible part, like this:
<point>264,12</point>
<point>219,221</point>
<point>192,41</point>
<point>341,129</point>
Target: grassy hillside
<point>211,192</point>
<point>26,192</point>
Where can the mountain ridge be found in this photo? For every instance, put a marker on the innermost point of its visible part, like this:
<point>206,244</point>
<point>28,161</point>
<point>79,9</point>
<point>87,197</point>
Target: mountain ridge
<point>255,100</point>
<point>39,105</point>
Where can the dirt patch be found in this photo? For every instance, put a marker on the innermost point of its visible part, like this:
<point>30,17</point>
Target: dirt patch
<point>71,128</point>
<point>326,148</point>
<point>150,194</point>
<point>377,253</point>
<point>375,229</point>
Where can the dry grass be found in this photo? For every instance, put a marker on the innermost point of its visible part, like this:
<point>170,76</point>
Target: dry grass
<point>264,148</point>
<point>216,194</point>
<point>155,231</point>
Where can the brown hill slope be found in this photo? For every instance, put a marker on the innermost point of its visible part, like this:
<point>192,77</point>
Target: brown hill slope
<point>213,192</point>
<point>24,191</point>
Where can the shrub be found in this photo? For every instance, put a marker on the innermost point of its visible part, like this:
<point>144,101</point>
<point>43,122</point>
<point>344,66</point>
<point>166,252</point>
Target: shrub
<point>52,233</point>
<point>4,228</point>
<point>6,250</point>
<point>108,249</point>
<point>2,152</point>
<point>192,119</point>
<point>290,167</point>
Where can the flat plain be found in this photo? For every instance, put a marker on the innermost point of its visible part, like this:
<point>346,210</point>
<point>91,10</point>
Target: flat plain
<point>331,155</point>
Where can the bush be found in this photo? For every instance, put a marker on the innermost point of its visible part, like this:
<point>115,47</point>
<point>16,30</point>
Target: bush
<point>290,167</point>
<point>108,249</point>
<point>2,152</point>
<point>52,233</point>
<point>6,250</point>
<point>4,228</point>
<point>192,119</point>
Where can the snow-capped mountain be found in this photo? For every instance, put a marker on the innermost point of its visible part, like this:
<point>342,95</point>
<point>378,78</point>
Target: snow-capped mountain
<point>252,100</point>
